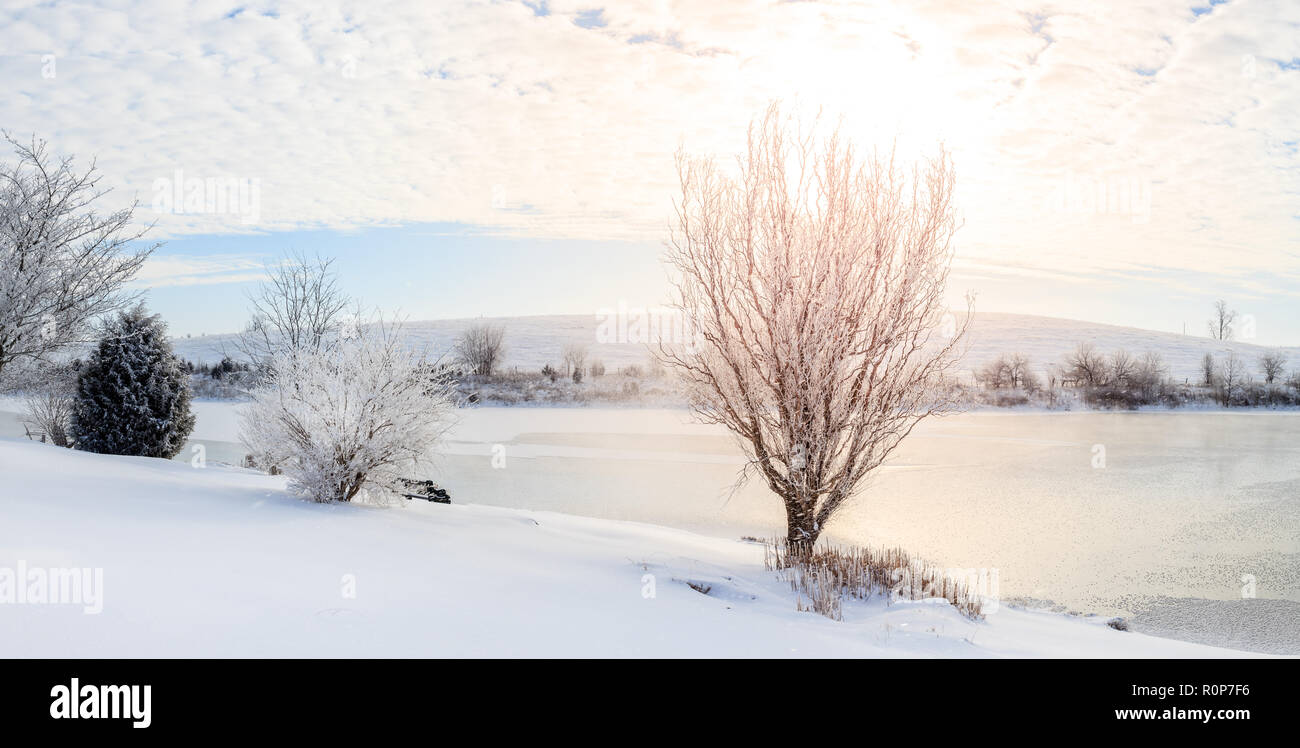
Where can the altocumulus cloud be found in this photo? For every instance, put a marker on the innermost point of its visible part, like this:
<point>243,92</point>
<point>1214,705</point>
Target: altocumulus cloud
<point>1089,137</point>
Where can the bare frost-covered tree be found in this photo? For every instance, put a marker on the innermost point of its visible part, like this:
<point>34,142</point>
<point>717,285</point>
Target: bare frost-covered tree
<point>481,348</point>
<point>813,282</point>
<point>351,417</point>
<point>1007,371</point>
<point>1221,323</point>
<point>1271,365</point>
<point>62,265</point>
<point>1122,368</point>
<point>1086,365</point>
<point>575,359</point>
<point>297,308</point>
<point>1231,379</point>
<point>1149,373</point>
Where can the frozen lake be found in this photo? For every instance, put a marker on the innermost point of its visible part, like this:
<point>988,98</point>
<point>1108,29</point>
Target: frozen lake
<point>1170,518</point>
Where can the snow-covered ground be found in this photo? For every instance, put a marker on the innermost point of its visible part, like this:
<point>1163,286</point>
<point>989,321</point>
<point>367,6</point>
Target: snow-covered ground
<point>220,561</point>
<point>1185,507</point>
<point>532,342</point>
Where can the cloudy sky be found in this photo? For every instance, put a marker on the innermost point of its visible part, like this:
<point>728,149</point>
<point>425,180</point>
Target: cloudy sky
<point>1124,162</point>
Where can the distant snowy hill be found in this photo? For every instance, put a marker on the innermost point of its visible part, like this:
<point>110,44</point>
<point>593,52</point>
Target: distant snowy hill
<point>535,341</point>
<point>1047,340</point>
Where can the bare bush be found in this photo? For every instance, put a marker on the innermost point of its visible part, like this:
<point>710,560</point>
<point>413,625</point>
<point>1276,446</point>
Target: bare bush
<point>1149,373</point>
<point>481,348</point>
<point>822,579</point>
<point>815,283</point>
<point>354,417</point>
<point>50,414</point>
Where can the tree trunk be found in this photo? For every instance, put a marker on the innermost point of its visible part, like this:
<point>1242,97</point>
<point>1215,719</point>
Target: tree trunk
<point>801,528</point>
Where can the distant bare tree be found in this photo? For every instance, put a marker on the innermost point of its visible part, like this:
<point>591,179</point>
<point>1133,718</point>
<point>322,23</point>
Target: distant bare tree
<point>62,265</point>
<point>1271,365</point>
<point>814,281</point>
<point>1149,373</point>
<point>1086,365</point>
<point>295,309</point>
<point>575,358</point>
<point>1209,370</point>
<point>1231,378</point>
<point>1122,368</point>
<point>1221,323</point>
<point>995,374</point>
<point>1008,371</point>
<point>1021,374</point>
<point>481,348</point>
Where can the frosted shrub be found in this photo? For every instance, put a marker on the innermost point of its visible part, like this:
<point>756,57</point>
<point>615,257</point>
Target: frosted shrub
<point>350,419</point>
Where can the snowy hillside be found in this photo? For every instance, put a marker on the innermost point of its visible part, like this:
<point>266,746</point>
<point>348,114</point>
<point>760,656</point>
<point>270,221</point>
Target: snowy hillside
<point>535,341</point>
<point>222,562</point>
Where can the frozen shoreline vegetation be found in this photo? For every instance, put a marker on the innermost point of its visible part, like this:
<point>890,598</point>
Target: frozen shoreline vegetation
<point>252,571</point>
<point>630,379</point>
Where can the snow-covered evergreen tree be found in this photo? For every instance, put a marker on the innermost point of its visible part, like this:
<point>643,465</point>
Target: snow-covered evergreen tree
<point>133,395</point>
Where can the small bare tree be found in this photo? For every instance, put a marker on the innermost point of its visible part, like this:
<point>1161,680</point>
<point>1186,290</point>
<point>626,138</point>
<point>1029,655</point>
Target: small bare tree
<point>1231,378</point>
<point>481,348</point>
<point>1149,373</point>
<point>1086,365</point>
<point>62,265</point>
<point>1122,368</point>
<point>297,308</point>
<point>1020,372</point>
<point>814,281</point>
<point>575,358</point>
<point>1271,365</point>
<point>1221,323</point>
<point>995,374</point>
<point>1209,370</point>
